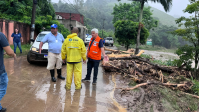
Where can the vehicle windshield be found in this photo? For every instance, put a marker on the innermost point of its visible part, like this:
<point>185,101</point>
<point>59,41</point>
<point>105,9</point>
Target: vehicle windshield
<point>40,37</point>
<point>90,36</point>
<point>109,39</point>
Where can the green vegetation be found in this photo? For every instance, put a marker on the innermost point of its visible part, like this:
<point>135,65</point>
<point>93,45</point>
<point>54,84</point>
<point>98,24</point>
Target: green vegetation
<point>106,33</point>
<point>25,50</point>
<point>131,12</point>
<point>47,21</point>
<point>94,12</point>
<point>163,18</point>
<point>195,88</point>
<point>172,102</point>
<point>159,62</point>
<point>165,3</point>
<point>21,10</point>
<point>132,83</point>
<point>126,32</point>
<point>165,38</point>
<point>190,33</point>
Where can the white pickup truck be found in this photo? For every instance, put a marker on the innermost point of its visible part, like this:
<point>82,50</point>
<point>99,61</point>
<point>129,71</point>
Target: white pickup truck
<point>109,41</point>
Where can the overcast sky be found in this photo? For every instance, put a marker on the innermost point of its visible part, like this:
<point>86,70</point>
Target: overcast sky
<point>176,9</point>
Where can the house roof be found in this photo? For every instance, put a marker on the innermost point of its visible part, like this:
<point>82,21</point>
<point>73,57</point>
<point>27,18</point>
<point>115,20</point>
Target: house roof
<point>74,16</point>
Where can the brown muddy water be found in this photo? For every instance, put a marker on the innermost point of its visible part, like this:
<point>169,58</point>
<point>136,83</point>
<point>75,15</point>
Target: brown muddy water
<point>30,90</point>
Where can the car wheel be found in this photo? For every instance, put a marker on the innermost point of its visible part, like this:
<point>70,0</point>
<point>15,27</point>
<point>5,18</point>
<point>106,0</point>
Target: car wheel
<point>28,58</point>
<point>112,45</point>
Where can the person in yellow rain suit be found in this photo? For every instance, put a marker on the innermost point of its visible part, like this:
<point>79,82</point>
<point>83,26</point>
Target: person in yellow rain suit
<point>74,50</point>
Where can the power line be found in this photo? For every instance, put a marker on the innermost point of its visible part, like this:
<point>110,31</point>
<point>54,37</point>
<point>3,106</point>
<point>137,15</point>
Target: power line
<point>73,7</point>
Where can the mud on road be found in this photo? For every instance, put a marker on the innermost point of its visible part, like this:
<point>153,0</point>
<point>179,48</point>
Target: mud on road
<point>30,90</point>
<point>152,97</point>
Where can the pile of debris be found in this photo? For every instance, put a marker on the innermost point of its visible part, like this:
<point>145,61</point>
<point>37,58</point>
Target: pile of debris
<point>143,72</point>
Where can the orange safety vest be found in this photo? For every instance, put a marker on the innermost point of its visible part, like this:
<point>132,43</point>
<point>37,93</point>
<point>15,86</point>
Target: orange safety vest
<point>94,52</point>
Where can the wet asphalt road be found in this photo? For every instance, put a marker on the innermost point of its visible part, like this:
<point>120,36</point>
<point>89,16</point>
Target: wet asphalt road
<point>30,90</point>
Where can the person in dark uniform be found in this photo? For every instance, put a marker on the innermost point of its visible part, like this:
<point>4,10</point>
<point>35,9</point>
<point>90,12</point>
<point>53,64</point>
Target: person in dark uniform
<point>17,39</point>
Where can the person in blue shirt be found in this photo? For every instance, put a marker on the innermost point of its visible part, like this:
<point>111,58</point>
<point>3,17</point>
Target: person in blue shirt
<point>54,40</point>
<point>103,41</point>
<point>17,39</point>
<point>3,75</point>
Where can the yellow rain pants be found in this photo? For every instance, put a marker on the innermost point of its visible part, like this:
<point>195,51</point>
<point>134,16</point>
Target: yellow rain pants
<point>77,70</point>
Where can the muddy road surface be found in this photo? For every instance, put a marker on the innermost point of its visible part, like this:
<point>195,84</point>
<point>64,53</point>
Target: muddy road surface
<point>30,89</point>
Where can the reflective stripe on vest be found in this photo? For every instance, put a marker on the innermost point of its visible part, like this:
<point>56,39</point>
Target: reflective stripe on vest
<point>94,52</point>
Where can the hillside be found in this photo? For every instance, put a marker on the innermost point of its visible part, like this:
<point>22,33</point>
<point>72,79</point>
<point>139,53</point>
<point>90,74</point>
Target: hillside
<point>163,17</point>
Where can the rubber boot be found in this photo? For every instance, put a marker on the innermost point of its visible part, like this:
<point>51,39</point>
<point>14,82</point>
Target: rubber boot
<point>59,74</point>
<point>3,110</point>
<point>52,72</point>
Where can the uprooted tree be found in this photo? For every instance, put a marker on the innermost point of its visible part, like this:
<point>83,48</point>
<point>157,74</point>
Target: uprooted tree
<point>126,32</point>
<point>190,33</point>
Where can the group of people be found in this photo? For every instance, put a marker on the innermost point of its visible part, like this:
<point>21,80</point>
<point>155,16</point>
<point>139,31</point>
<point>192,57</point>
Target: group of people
<point>72,51</point>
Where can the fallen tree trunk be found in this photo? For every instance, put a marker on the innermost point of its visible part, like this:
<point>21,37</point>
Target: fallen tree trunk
<point>142,51</point>
<point>155,66</point>
<point>148,83</point>
<point>128,73</point>
<point>118,55</point>
<point>110,50</point>
<point>164,84</point>
<point>127,52</point>
<point>136,68</point>
<point>195,96</point>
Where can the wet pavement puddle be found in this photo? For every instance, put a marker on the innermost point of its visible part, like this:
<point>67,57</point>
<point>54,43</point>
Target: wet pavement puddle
<point>30,90</point>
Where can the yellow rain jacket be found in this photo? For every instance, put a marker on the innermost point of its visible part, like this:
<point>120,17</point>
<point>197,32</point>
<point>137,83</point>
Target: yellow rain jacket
<point>74,50</point>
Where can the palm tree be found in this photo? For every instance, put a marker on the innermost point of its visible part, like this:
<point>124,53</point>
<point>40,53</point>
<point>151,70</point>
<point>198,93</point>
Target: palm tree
<point>165,3</point>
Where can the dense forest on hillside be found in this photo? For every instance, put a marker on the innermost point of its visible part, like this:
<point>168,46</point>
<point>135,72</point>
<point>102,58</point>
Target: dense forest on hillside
<point>95,11</point>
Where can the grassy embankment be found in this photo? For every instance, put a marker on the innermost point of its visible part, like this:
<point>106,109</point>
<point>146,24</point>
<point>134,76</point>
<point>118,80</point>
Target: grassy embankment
<point>25,50</point>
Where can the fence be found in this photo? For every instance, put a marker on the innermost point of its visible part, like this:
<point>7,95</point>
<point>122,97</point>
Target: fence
<point>7,28</point>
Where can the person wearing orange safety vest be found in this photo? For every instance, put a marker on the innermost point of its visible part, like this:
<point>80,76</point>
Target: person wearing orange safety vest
<point>94,52</point>
<point>74,50</point>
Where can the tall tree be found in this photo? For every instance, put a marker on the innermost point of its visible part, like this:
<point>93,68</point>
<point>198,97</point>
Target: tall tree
<point>126,31</point>
<point>130,11</point>
<point>165,3</point>
<point>190,33</point>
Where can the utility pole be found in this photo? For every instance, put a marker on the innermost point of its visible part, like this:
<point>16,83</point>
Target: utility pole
<point>33,21</point>
<point>103,28</point>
